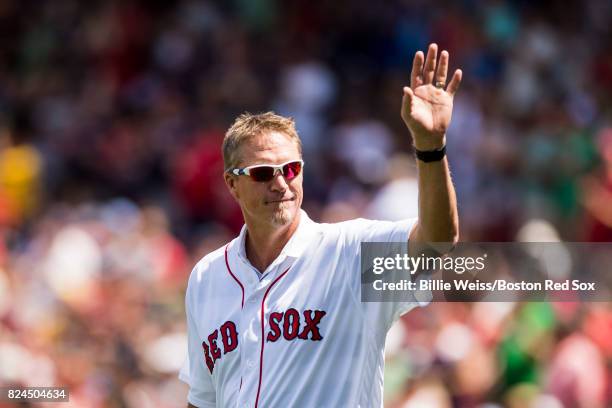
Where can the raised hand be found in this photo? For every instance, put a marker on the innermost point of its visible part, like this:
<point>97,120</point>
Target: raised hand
<point>427,105</point>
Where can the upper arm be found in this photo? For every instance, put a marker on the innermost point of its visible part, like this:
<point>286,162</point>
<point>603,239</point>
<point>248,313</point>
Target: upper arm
<point>418,244</point>
<point>415,234</point>
<point>380,314</point>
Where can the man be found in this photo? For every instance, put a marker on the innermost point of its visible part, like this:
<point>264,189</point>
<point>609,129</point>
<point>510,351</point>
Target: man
<point>275,317</point>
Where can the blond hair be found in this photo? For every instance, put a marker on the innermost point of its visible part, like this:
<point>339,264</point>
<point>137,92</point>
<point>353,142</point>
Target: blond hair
<point>249,125</point>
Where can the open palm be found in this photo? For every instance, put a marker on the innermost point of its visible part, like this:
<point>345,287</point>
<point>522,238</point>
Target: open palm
<point>427,104</point>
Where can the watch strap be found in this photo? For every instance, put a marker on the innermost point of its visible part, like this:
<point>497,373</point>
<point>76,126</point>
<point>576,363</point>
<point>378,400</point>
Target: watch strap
<point>428,156</point>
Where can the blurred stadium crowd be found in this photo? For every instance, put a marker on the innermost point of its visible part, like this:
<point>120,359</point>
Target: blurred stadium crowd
<point>111,119</point>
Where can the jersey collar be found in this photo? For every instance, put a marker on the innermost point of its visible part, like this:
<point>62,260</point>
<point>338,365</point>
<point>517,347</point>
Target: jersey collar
<point>293,248</point>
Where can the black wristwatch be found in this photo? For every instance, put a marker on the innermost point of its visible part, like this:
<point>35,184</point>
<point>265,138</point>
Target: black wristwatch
<point>431,155</point>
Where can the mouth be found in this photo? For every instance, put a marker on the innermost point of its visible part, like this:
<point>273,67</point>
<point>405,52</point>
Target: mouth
<point>282,200</point>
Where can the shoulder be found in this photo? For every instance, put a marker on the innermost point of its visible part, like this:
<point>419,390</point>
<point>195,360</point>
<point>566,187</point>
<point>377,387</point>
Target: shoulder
<point>354,226</point>
<point>335,229</point>
<point>206,268</point>
<point>357,223</point>
<point>344,226</point>
<point>366,230</point>
<point>341,234</point>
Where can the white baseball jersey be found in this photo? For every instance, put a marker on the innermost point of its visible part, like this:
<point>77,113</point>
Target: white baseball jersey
<point>297,335</point>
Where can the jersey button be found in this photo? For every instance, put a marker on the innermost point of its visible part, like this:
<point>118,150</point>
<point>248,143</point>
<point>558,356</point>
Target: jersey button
<point>250,363</point>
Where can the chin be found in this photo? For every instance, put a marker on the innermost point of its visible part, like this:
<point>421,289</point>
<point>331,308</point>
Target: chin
<point>283,216</point>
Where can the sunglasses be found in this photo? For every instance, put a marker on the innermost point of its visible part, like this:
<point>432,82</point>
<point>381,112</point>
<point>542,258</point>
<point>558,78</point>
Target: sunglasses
<point>265,172</point>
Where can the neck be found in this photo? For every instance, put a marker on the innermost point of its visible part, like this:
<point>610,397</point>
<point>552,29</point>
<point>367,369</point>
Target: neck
<point>263,245</point>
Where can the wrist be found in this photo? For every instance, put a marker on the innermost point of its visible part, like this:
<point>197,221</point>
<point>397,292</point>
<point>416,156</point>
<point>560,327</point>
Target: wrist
<point>429,156</point>
<point>427,143</point>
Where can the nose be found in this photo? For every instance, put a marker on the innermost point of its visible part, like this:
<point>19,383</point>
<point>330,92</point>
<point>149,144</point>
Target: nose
<point>278,183</point>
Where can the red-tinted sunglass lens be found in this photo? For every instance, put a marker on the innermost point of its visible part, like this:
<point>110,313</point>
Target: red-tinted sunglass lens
<point>292,170</point>
<point>262,174</point>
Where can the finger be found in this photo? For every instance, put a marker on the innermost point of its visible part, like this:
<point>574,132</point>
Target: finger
<point>416,76</point>
<point>455,82</point>
<point>442,70</point>
<point>430,64</point>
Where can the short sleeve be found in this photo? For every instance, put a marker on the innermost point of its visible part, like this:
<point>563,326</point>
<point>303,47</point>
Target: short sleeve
<point>380,315</point>
<point>194,372</point>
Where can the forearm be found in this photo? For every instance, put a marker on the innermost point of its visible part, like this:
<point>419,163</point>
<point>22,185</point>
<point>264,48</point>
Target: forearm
<point>438,219</point>
<point>427,106</point>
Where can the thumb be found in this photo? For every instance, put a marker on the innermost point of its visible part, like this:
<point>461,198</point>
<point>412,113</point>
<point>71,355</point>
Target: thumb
<point>408,94</point>
<point>407,101</point>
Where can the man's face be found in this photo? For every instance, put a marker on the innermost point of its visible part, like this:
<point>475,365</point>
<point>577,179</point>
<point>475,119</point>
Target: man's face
<point>276,202</point>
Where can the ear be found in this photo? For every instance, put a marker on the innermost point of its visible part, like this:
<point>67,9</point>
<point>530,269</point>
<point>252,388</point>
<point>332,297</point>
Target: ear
<point>230,182</point>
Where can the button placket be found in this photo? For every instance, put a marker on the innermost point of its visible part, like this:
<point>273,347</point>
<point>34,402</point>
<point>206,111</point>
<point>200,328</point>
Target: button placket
<point>251,322</point>
<point>251,340</point>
